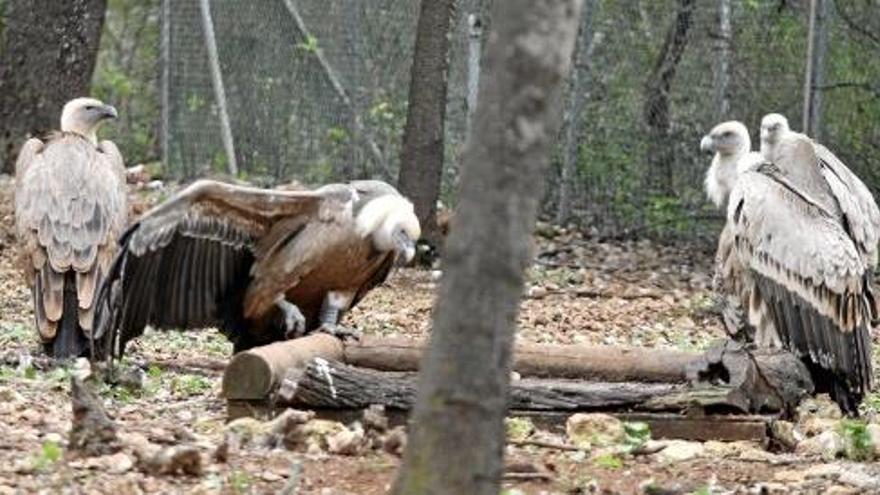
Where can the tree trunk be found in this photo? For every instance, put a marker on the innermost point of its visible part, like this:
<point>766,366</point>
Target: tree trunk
<point>50,50</point>
<point>722,66</point>
<point>577,98</point>
<point>421,157</point>
<point>815,75</point>
<point>661,157</point>
<point>456,441</point>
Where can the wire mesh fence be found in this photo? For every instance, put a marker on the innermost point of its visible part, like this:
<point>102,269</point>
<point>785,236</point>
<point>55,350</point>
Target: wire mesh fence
<point>316,90</point>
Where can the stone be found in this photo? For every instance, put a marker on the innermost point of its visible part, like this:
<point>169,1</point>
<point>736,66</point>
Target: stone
<point>786,434</point>
<point>680,450</point>
<point>181,459</point>
<point>349,441</point>
<point>587,429</point>
<point>829,445</point>
<point>874,432</point>
<point>537,292</point>
<point>394,442</point>
<point>857,477</point>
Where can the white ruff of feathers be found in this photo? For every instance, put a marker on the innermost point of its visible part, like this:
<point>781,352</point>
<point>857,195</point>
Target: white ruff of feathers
<point>383,216</point>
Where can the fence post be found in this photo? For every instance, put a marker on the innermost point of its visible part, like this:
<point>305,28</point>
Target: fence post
<point>815,73</point>
<point>217,81</point>
<point>165,88</point>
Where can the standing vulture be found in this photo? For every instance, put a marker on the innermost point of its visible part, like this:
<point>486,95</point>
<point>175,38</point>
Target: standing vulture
<point>859,211</point>
<point>70,204</point>
<point>261,265</point>
<point>731,145</point>
<point>807,280</point>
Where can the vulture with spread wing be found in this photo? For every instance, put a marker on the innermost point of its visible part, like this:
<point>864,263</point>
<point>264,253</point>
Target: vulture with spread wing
<point>261,265</point>
<point>802,271</point>
<point>70,205</point>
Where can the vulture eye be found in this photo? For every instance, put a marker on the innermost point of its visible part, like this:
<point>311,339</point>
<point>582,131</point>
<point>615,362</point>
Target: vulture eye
<point>727,134</point>
<point>90,107</point>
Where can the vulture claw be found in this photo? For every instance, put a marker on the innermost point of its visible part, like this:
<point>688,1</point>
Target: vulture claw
<point>294,320</point>
<point>341,332</point>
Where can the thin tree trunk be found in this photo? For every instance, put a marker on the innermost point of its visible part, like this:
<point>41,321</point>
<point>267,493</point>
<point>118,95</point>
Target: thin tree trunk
<point>475,51</point>
<point>219,91</point>
<point>50,50</point>
<point>815,75</point>
<point>456,440</point>
<point>722,67</point>
<point>577,98</point>
<point>421,157</point>
<point>661,157</point>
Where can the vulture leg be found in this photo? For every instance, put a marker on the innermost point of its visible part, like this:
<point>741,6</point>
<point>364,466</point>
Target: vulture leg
<point>331,310</point>
<point>294,320</point>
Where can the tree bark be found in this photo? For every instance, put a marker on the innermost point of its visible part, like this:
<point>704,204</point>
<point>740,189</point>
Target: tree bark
<point>577,98</point>
<point>456,441</point>
<point>50,50</point>
<point>817,46</point>
<point>421,156</point>
<point>722,66</point>
<point>661,157</point>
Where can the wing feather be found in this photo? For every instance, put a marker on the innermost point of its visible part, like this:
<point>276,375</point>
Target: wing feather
<point>186,261</point>
<point>808,272</point>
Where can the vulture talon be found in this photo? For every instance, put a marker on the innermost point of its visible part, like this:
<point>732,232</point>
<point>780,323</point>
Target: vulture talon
<point>294,320</point>
<point>341,332</point>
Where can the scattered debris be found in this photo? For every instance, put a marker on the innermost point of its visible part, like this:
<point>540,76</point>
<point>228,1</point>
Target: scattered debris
<point>181,459</point>
<point>587,429</point>
<point>92,432</point>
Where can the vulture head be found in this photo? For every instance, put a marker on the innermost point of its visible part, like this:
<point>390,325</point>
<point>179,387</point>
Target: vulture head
<point>388,218</point>
<point>773,127</point>
<point>729,142</point>
<point>83,116</point>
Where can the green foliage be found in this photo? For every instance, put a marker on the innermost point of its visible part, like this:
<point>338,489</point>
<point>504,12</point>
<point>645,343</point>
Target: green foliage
<point>856,439</point>
<point>309,45</point>
<point>49,454</point>
<point>608,461</point>
<point>636,434</point>
<point>187,385</point>
<point>518,429</point>
<point>240,482</point>
<point>703,491</point>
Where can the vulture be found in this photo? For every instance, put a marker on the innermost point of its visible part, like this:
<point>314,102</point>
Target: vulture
<point>70,205</point>
<point>859,211</point>
<point>261,265</point>
<point>731,146</point>
<point>799,266</point>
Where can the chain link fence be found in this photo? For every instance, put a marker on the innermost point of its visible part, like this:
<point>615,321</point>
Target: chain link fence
<point>316,90</point>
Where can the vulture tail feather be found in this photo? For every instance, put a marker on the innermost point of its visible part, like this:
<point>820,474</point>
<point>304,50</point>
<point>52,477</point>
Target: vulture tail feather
<point>70,341</point>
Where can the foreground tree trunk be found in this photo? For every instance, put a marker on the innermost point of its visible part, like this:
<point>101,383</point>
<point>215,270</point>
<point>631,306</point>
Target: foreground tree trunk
<point>50,50</point>
<point>457,436</point>
<point>656,106</point>
<point>421,158</point>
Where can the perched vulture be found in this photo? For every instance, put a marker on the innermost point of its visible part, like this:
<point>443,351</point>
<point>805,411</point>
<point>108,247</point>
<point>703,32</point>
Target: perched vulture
<point>859,212</point>
<point>261,265</point>
<point>70,205</point>
<point>806,282</point>
<point>731,145</point>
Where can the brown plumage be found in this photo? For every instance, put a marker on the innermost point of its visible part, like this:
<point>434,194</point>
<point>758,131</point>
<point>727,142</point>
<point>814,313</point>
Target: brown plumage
<point>262,265</point>
<point>70,204</point>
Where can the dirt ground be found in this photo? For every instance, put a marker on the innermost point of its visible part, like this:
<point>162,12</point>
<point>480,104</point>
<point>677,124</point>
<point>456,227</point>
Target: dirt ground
<point>580,291</point>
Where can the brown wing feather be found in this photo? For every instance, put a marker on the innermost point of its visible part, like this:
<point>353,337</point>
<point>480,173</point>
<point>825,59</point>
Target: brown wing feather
<point>186,263</point>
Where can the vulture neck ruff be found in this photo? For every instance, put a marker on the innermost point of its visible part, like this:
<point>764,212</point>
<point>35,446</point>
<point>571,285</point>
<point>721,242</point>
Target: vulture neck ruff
<point>383,216</point>
<point>721,176</point>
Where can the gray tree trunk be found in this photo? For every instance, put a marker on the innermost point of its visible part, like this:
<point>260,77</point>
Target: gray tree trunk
<point>577,99</point>
<point>661,157</point>
<point>421,157</point>
<point>722,66</point>
<point>815,75</point>
<point>49,52</point>
<point>456,440</point>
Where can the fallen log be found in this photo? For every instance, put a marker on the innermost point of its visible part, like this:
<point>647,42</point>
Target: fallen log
<point>254,373</point>
<point>334,385</point>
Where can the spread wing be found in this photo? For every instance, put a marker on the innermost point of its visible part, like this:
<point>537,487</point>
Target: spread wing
<point>187,262</point>
<point>807,272</point>
<point>70,205</point>
<point>856,202</point>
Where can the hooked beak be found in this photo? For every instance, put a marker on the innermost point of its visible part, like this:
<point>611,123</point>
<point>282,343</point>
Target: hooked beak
<point>406,249</point>
<point>109,112</point>
<point>707,144</point>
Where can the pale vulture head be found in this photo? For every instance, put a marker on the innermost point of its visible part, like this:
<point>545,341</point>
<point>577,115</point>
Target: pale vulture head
<point>773,127</point>
<point>83,116</point>
<point>389,218</point>
<point>730,143</point>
